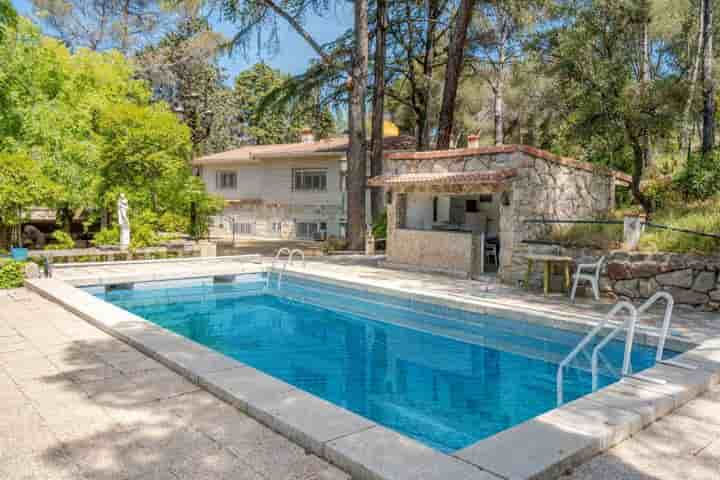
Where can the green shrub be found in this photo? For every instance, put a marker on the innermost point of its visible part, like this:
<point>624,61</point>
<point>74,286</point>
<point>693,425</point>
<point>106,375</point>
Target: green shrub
<point>379,228</point>
<point>61,241</point>
<point>12,274</point>
<point>142,236</point>
<point>173,223</point>
<point>334,244</point>
<point>700,179</point>
<point>107,236</point>
<point>699,216</point>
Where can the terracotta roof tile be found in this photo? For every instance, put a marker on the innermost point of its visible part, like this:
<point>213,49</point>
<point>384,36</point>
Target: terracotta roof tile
<point>445,178</point>
<point>492,150</point>
<point>253,153</point>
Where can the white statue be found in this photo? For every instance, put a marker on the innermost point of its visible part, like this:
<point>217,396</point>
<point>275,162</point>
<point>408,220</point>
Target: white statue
<point>124,221</point>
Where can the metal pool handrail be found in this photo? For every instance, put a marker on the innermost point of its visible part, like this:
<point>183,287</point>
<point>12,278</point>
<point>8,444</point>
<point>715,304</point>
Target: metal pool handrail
<point>272,265</point>
<point>669,305</point>
<point>629,325</point>
<point>300,252</point>
<point>289,262</point>
<point>290,256</point>
<point>591,334</point>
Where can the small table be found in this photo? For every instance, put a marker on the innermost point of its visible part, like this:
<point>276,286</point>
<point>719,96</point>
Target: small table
<point>548,261</point>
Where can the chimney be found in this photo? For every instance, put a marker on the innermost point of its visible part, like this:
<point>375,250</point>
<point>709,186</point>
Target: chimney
<point>473,141</point>
<point>306,136</point>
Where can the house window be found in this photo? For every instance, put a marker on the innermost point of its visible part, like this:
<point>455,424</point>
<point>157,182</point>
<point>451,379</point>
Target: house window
<point>226,180</point>
<point>277,227</point>
<point>244,228</point>
<point>309,180</point>
<point>306,229</point>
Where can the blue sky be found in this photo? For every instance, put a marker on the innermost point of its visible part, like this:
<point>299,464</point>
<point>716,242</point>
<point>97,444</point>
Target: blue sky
<point>294,54</point>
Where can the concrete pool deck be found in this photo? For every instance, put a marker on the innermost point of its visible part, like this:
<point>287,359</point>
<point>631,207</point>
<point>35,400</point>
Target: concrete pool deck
<point>550,443</point>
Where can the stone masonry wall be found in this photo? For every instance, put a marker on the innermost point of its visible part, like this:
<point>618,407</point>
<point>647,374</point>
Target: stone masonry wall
<point>551,191</point>
<point>691,280</point>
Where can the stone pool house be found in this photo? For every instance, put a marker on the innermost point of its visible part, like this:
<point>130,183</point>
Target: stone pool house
<point>290,191</point>
<point>442,204</point>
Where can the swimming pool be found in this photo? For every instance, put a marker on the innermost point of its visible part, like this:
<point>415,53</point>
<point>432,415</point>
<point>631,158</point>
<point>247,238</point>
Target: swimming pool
<point>445,377</point>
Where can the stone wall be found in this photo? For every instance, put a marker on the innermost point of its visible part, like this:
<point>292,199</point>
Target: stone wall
<point>551,191</point>
<point>691,280</point>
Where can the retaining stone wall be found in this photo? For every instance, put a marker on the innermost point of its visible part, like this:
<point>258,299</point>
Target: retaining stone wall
<point>690,279</point>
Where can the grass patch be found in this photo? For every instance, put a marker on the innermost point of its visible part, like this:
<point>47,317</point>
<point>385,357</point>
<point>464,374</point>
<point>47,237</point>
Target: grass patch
<point>592,235</point>
<point>700,216</point>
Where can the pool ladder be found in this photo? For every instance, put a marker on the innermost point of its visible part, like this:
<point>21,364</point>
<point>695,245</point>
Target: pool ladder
<point>288,261</point>
<point>629,325</point>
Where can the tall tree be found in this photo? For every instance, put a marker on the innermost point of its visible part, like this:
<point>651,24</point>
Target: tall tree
<point>267,122</point>
<point>600,87</point>
<point>183,71</point>
<point>708,117</point>
<point>101,24</point>
<point>378,111</point>
<point>453,71</point>
<point>357,151</point>
<point>417,36</point>
<point>644,21</point>
<point>692,80</point>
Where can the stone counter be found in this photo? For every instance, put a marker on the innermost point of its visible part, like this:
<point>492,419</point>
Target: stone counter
<point>451,252</point>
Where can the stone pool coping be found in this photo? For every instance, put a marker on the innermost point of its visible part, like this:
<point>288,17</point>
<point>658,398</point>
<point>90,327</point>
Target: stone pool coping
<point>542,447</point>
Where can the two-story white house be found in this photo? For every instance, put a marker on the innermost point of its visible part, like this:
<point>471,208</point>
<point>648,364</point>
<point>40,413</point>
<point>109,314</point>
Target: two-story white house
<point>294,190</point>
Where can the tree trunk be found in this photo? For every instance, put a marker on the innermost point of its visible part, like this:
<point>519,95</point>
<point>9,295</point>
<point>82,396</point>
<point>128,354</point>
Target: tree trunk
<point>708,132</point>
<point>686,125</point>
<point>456,53</point>
<point>499,107</point>
<point>376,161</point>
<point>357,151</point>
<point>431,17</point>
<point>639,162</point>
<point>645,78</point>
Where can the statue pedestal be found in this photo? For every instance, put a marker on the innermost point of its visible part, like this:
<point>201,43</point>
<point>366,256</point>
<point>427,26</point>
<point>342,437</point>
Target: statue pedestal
<point>124,238</point>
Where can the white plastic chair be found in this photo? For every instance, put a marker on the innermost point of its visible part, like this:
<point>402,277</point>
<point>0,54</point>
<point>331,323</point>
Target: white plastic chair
<point>591,273</point>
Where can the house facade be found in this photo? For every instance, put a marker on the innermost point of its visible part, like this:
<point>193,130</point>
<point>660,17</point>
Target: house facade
<point>290,191</point>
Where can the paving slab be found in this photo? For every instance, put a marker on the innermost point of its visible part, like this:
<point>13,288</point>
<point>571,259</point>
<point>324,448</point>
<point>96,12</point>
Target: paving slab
<point>378,453</point>
<point>246,388</point>
<point>533,449</point>
<point>649,404</point>
<point>311,421</point>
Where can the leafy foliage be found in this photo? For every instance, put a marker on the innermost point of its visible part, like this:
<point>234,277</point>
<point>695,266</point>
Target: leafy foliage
<point>379,228</point>
<point>700,178</point>
<point>77,129</point>
<point>61,241</point>
<point>8,17</point>
<point>22,185</point>
<point>276,122</point>
<point>182,70</point>
<point>12,274</point>
<point>107,236</point>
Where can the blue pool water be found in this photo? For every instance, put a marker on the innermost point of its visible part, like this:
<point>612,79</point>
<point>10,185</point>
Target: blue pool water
<point>444,377</point>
